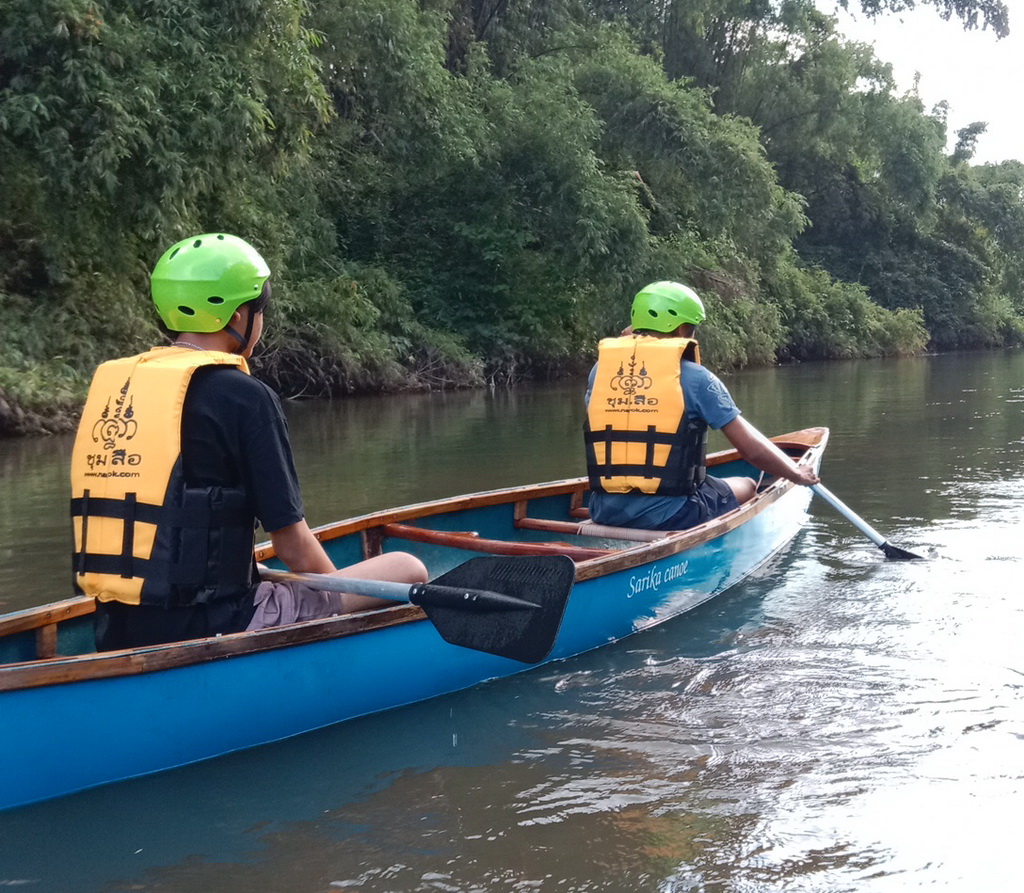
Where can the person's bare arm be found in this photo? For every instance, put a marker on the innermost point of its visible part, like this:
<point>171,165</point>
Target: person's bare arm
<point>760,452</point>
<point>301,552</point>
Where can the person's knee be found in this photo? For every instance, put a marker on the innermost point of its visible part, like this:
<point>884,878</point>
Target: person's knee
<point>396,567</point>
<point>407,568</point>
<point>742,488</point>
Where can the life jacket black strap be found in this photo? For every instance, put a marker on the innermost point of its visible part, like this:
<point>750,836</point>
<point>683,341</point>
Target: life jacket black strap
<point>179,574</point>
<point>147,513</point>
<point>128,535</point>
<point>83,512</point>
<point>651,436</point>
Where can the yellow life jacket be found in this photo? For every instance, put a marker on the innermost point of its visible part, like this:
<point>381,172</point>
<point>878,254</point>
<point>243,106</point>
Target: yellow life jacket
<point>142,536</point>
<point>637,434</point>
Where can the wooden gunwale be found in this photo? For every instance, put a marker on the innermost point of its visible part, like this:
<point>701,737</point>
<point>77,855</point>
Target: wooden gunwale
<point>51,670</point>
<point>133,661</point>
<point>45,615</point>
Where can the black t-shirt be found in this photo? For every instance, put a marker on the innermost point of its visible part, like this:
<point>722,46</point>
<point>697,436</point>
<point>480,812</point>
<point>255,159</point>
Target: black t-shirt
<point>233,434</point>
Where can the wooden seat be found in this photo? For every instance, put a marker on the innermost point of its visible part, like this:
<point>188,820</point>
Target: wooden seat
<point>589,528</point>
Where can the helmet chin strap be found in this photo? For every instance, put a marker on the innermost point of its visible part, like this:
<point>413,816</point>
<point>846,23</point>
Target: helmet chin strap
<point>256,306</point>
<point>243,340</point>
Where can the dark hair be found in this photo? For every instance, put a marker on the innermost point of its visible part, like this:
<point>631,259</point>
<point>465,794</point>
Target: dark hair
<point>259,303</point>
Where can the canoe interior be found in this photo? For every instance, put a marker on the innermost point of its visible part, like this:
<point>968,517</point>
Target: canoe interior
<point>530,520</point>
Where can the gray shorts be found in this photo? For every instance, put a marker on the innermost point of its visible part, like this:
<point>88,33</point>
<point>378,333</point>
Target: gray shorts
<point>281,603</point>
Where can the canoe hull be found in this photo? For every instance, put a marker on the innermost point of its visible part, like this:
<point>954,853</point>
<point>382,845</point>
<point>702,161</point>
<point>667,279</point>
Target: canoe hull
<point>66,736</point>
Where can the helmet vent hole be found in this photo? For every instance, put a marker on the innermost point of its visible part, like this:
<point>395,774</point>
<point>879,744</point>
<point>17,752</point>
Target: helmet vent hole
<point>671,311</point>
<point>215,299</point>
<point>187,311</point>
<point>176,250</point>
<point>197,243</point>
<point>653,313</point>
<point>221,238</point>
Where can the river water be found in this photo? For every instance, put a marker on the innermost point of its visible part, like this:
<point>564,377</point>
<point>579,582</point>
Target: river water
<point>836,723</point>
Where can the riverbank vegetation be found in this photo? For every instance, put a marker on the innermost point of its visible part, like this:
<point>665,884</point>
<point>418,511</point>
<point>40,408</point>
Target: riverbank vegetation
<point>452,193</point>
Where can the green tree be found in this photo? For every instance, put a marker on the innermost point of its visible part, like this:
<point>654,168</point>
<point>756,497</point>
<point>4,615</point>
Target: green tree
<point>123,125</point>
<point>455,190</point>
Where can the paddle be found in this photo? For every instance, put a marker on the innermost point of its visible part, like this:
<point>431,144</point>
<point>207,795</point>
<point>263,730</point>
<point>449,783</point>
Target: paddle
<point>511,607</point>
<point>891,551</point>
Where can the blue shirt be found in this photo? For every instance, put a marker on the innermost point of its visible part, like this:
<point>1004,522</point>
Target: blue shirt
<point>706,398</point>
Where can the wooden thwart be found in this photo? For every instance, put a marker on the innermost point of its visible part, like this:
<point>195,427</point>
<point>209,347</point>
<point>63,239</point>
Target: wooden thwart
<point>473,542</point>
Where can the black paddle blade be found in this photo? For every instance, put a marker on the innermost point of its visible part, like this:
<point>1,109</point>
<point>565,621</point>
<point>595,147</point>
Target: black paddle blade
<point>897,554</point>
<point>523,632</point>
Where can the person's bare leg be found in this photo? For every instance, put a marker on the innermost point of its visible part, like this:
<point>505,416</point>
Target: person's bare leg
<point>742,488</point>
<point>396,567</point>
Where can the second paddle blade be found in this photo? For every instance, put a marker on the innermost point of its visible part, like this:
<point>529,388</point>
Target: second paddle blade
<point>524,635</point>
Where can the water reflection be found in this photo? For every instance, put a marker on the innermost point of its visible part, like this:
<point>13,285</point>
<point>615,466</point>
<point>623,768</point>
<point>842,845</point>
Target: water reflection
<point>359,455</point>
<point>445,789</point>
<point>35,527</point>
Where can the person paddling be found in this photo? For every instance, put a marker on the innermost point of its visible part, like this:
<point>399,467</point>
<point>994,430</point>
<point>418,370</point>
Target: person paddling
<point>179,453</point>
<point>650,403</point>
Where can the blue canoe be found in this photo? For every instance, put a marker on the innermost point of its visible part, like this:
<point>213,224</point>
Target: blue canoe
<point>72,719</point>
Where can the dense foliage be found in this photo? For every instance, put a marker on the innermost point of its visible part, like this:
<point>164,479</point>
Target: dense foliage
<point>451,192</point>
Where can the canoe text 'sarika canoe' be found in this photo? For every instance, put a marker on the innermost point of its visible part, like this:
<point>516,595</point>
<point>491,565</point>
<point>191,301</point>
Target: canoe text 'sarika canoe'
<point>505,561</point>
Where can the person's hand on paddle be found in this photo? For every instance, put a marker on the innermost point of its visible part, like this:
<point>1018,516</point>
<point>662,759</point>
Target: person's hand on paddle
<point>760,452</point>
<point>804,475</point>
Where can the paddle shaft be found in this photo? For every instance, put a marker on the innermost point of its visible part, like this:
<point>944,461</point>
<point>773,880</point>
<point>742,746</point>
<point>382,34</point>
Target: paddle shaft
<point>417,593</point>
<point>888,548</point>
<point>849,514</point>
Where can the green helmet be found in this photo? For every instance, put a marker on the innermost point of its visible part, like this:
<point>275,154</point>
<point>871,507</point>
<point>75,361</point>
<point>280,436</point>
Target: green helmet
<point>665,306</point>
<point>200,282</point>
